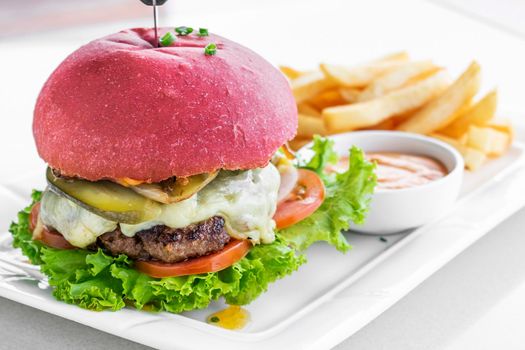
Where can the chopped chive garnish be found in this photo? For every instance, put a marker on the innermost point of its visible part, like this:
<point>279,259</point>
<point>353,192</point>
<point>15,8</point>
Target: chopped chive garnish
<point>183,31</point>
<point>167,39</point>
<point>210,49</point>
<point>214,319</point>
<point>383,239</point>
<point>203,32</point>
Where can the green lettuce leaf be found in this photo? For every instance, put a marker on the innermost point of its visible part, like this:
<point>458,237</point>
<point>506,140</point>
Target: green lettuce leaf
<point>22,237</point>
<point>323,156</point>
<point>97,281</point>
<point>347,199</point>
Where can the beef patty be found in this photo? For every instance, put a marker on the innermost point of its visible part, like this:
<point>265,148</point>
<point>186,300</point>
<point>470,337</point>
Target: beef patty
<point>167,244</point>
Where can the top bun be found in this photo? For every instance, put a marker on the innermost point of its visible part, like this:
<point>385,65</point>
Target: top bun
<point>119,107</point>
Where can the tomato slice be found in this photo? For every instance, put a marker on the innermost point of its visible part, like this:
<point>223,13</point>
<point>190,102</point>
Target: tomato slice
<point>54,239</point>
<point>50,238</point>
<point>307,196</point>
<point>33,216</point>
<point>234,251</point>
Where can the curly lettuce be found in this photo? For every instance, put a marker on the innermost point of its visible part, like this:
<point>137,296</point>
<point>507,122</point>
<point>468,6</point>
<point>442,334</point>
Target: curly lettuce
<point>97,281</point>
<point>348,196</point>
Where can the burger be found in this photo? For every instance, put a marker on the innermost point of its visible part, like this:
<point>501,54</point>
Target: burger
<point>169,184</point>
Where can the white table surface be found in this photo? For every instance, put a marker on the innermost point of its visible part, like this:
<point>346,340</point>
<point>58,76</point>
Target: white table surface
<point>476,301</point>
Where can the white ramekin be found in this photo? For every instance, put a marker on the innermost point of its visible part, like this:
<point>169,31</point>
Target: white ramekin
<point>397,210</point>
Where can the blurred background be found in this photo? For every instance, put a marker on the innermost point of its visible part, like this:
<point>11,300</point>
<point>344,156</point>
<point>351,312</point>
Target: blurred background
<point>30,16</point>
<point>26,17</point>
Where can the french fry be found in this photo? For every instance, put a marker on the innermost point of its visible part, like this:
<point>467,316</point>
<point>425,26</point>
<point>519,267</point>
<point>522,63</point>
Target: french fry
<point>350,95</point>
<point>305,108</point>
<point>441,112</point>
<point>463,139</point>
<point>480,113</point>
<point>388,124</point>
<point>462,110</point>
<point>291,73</point>
<point>449,140</point>
<point>358,76</point>
<point>309,85</point>
<point>395,93</point>
<point>298,142</point>
<point>326,99</point>
<point>473,158</point>
<point>310,126</point>
<point>366,114</point>
<point>396,56</point>
<point>422,76</point>
<point>503,125</point>
<point>398,119</point>
<point>396,79</point>
<point>487,140</point>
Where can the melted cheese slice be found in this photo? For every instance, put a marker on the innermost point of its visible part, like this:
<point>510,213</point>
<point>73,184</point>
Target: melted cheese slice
<point>246,200</point>
<point>79,226</point>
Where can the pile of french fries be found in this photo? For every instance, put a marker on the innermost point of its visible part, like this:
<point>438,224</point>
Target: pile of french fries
<point>397,93</point>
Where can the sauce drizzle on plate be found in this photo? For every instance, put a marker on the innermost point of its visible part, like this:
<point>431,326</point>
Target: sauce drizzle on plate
<point>233,317</point>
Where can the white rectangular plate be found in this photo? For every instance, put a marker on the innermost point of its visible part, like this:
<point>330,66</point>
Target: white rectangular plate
<point>327,300</point>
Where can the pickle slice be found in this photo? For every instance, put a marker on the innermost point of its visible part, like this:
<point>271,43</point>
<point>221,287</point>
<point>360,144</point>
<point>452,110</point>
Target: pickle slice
<point>176,190</point>
<point>105,198</point>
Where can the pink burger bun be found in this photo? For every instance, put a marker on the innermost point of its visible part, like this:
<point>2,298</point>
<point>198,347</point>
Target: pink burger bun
<point>120,107</point>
